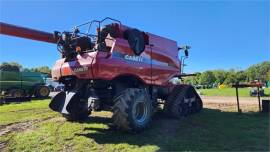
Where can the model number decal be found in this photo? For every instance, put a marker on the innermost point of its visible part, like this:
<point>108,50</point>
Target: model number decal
<point>134,58</point>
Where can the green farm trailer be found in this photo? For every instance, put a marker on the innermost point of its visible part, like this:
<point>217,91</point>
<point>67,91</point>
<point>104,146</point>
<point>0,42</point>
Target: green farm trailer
<point>22,84</point>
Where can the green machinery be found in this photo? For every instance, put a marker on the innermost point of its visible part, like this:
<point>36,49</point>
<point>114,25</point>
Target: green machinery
<point>22,84</point>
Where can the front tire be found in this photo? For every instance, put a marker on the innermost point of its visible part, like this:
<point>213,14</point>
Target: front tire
<point>132,110</point>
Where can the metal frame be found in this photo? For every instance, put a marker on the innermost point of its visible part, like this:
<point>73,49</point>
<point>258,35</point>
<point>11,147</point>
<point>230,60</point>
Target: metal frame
<point>237,85</point>
<point>99,24</point>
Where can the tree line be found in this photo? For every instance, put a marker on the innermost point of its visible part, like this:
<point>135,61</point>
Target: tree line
<point>16,67</point>
<point>260,72</point>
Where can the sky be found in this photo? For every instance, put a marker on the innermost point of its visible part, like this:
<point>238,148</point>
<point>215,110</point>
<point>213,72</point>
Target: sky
<point>222,34</point>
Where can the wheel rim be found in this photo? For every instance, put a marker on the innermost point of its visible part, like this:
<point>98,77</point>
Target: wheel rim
<point>140,111</point>
<point>17,94</point>
<point>43,91</point>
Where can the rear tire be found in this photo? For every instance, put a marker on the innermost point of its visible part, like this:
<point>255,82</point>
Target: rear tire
<point>198,105</point>
<point>132,110</point>
<point>16,93</point>
<point>183,101</point>
<point>42,92</point>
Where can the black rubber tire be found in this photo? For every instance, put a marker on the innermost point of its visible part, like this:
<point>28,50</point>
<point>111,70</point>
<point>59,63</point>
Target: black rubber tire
<point>198,105</point>
<point>170,99</point>
<point>175,105</point>
<point>176,98</point>
<point>42,92</point>
<point>16,93</point>
<point>124,110</point>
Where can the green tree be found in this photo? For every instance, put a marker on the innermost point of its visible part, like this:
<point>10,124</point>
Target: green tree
<point>220,76</point>
<point>194,80</point>
<point>42,69</point>
<point>207,78</point>
<point>188,80</point>
<point>10,66</point>
<point>258,71</point>
<point>268,75</point>
<point>230,79</point>
<point>264,68</point>
<point>241,76</point>
<point>197,78</point>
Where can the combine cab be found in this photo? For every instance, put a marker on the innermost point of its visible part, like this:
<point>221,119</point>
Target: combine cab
<point>121,69</point>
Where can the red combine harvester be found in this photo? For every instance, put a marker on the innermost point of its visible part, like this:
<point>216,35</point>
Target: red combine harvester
<point>121,69</point>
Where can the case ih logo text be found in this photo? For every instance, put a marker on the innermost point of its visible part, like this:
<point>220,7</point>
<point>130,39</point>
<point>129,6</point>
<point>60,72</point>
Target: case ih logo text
<point>134,58</point>
<point>80,69</point>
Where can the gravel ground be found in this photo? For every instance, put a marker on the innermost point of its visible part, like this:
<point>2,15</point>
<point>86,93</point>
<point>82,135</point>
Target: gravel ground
<point>230,100</point>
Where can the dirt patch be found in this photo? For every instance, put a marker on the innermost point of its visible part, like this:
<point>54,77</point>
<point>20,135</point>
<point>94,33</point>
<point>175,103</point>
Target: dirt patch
<point>230,100</point>
<point>18,127</point>
<point>27,110</point>
<point>224,103</point>
<point>3,145</point>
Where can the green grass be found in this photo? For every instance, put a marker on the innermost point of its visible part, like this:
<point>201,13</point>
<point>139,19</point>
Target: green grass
<point>243,92</point>
<point>211,130</point>
<point>12,113</point>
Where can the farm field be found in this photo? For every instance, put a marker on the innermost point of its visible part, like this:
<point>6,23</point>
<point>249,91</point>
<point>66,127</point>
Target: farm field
<point>243,92</point>
<point>32,126</point>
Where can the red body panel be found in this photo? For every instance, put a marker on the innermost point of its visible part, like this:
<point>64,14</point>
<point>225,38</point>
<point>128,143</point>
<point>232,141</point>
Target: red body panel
<point>81,67</point>
<point>156,70</point>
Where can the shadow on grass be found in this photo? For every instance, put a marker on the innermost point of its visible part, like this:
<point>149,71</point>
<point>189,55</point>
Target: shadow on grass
<point>210,130</point>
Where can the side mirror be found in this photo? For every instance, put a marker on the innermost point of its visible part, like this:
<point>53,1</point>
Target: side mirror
<point>186,53</point>
<point>185,48</point>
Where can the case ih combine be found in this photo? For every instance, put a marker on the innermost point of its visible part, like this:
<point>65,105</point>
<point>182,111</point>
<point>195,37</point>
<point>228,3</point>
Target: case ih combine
<point>121,69</point>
